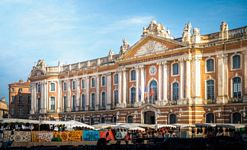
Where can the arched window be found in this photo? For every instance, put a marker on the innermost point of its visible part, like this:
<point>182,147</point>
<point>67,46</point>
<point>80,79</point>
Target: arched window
<point>210,89</point>
<point>103,100</point>
<point>153,91</point>
<point>132,95</point>
<point>116,78</point>
<point>236,86</point>
<point>130,119</point>
<point>92,101</point>
<point>133,75</point>
<point>175,69</point>
<point>175,91</point>
<point>83,102</point>
<point>103,81</point>
<point>93,82</point>
<point>236,62</point>
<point>73,103</point>
<point>116,97</point>
<point>172,119</point>
<point>236,118</point>
<point>52,87</point>
<point>209,118</point>
<point>210,65</point>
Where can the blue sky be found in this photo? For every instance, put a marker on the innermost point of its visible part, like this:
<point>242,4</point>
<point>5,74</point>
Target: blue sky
<point>75,30</point>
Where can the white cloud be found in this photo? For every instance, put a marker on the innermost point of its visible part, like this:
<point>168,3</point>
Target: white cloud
<point>126,23</point>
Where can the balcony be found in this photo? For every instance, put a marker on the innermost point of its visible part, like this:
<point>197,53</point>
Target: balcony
<point>235,100</point>
<point>102,108</point>
<point>210,101</point>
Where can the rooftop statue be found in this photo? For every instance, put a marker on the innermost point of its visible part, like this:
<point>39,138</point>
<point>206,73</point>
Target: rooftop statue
<point>124,47</point>
<point>157,29</point>
<point>187,33</point>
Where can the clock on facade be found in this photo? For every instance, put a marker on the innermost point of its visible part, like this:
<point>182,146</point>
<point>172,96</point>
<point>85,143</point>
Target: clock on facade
<point>152,70</point>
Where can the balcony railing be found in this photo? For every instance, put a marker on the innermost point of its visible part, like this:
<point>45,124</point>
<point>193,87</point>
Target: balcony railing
<point>210,101</point>
<point>235,100</point>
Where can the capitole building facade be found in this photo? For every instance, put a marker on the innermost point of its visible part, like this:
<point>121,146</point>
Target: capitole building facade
<point>160,79</point>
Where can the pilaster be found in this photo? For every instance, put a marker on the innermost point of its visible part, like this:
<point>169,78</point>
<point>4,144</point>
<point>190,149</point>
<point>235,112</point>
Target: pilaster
<point>165,82</point>
<point>109,92</point>
<point>222,78</point>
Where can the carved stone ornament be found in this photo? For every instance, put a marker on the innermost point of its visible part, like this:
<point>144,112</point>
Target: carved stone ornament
<point>150,47</point>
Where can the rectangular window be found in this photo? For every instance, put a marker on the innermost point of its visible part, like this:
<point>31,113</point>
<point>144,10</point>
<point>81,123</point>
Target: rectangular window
<point>175,69</point>
<point>52,104</point>
<point>103,81</point>
<point>64,103</point>
<point>73,103</point>
<point>116,78</point>
<point>73,85</point>
<point>83,84</point>
<point>39,104</point>
<point>52,87</point>
<point>93,82</point>
<point>64,86</point>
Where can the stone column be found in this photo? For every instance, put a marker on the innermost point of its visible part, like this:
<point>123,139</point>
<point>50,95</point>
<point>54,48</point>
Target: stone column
<point>59,99</point>
<point>68,109</point>
<point>120,87</point>
<point>181,71</point>
<point>87,103</point>
<point>97,103</point>
<point>197,79</point>
<point>222,78</point>
<point>142,84</point>
<point>109,92</point>
<point>46,98</point>
<point>159,82</point>
<point>33,95</point>
<point>77,108</point>
<point>165,82</point>
<point>188,80</point>
<point>245,76</point>
<point>124,81</point>
<point>137,85</point>
<point>42,98</point>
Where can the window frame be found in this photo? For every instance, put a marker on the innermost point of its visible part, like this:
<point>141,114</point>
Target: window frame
<point>172,91</point>
<point>103,77</point>
<point>206,89</point>
<point>232,86</point>
<point>206,63</point>
<point>114,78</point>
<point>93,85</point>
<point>240,61</point>
<point>51,86</point>
<point>130,74</point>
<point>172,66</point>
<point>52,105</point>
<point>83,84</point>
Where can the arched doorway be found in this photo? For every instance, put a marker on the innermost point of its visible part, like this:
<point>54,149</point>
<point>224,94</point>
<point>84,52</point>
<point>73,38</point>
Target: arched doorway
<point>236,118</point>
<point>172,119</point>
<point>149,117</point>
<point>153,96</point>
<point>209,118</point>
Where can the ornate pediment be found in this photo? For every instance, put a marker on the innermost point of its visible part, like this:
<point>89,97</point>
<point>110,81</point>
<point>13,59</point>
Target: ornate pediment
<point>150,47</point>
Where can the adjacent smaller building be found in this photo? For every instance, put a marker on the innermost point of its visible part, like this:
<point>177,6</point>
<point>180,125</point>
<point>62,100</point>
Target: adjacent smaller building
<point>3,108</point>
<point>19,99</point>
